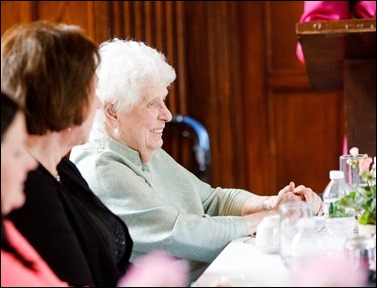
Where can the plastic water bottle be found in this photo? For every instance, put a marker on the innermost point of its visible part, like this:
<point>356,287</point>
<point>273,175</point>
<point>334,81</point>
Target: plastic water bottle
<point>340,220</point>
<point>336,189</point>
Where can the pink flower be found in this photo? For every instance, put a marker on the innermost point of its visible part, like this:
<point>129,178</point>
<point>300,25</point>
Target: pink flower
<point>328,271</point>
<point>156,269</point>
<point>364,164</point>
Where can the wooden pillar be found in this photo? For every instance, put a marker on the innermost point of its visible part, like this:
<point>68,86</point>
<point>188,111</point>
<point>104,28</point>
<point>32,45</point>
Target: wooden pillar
<point>360,104</point>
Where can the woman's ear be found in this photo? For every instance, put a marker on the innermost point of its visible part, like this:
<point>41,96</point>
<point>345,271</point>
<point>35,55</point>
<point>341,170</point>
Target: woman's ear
<point>111,115</point>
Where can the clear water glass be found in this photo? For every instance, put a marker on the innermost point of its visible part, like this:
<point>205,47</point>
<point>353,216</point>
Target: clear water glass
<point>298,236</point>
<point>351,174</point>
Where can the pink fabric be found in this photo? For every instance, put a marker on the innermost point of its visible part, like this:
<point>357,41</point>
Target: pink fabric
<point>156,269</point>
<point>333,270</point>
<point>334,10</point>
<point>14,273</point>
<point>325,10</point>
<point>365,9</point>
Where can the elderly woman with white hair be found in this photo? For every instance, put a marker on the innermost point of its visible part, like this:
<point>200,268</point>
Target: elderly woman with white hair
<point>164,205</point>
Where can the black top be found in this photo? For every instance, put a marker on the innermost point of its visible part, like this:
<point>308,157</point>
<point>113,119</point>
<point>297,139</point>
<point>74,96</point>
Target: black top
<point>83,242</point>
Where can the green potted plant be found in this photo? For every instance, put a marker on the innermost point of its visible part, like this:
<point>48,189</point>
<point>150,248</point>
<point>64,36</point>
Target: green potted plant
<point>363,196</point>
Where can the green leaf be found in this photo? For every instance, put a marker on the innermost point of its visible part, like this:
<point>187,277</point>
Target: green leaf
<point>363,200</point>
<point>368,218</point>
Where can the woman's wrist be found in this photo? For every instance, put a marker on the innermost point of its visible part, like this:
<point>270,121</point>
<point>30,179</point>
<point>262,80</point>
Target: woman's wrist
<point>266,205</point>
<point>269,203</point>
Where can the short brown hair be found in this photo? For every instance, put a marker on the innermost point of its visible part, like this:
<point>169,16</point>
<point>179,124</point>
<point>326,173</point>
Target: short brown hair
<point>48,69</point>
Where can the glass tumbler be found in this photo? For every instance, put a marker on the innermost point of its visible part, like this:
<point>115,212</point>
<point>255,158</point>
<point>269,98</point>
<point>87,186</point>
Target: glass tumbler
<point>297,229</point>
<point>351,174</point>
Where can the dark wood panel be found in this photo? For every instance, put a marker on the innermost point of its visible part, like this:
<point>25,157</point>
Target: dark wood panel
<point>281,38</point>
<point>260,174</point>
<point>360,104</point>
<point>100,21</point>
<point>289,80</point>
<point>70,12</point>
<point>213,95</point>
<point>13,12</point>
<point>304,124</point>
<point>307,137</point>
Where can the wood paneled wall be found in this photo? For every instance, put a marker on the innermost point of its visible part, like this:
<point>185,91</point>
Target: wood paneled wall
<point>236,73</point>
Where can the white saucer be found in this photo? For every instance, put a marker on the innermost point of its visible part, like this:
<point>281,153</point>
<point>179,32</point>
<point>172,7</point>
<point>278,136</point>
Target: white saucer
<point>265,249</point>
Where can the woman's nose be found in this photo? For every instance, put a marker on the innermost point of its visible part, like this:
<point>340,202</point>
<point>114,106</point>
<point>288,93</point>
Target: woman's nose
<point>166,114</point>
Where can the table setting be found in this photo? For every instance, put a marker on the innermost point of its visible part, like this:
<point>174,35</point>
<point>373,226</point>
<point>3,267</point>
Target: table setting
<point>298,249</point>
<point>288,246</point>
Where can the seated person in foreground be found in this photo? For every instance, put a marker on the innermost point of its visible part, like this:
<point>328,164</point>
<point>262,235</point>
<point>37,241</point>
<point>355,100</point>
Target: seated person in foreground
<point>164,205</point>
<point>21,265</point>
<point>81,240</point>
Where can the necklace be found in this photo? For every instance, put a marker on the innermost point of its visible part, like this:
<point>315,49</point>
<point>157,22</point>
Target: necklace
<point>57,177</point>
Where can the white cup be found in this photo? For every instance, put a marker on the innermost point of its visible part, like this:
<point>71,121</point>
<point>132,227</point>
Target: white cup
<point>268,231</point>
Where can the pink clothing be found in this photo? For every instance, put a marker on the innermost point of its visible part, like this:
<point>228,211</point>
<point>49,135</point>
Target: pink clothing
<point>14,273</point>
<point>364,9</point>
<point>156,269</point>
<point>334,10</point>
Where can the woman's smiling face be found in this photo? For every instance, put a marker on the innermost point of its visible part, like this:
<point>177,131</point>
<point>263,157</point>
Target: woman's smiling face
<point>141,127</point>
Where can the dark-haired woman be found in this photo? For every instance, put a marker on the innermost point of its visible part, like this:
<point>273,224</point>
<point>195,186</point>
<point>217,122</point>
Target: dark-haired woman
<point>21,265</point>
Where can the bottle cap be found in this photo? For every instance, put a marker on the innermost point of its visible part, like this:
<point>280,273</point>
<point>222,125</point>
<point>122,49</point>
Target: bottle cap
<point>336,174</point>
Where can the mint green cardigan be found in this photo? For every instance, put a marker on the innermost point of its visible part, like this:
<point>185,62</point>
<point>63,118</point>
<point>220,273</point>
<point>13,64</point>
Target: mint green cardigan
<point>164,205</point>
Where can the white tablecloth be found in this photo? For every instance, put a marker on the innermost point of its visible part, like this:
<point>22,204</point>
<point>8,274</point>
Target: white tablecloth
<point>244,264</point>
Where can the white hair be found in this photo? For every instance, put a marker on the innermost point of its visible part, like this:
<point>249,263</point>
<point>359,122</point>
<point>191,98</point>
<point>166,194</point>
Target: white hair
<point>127,69</point>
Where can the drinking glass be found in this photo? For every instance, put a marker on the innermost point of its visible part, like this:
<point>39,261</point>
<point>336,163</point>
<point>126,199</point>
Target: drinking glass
<point>351,174</point>
<point>297,232</point>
